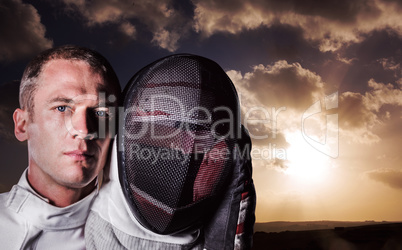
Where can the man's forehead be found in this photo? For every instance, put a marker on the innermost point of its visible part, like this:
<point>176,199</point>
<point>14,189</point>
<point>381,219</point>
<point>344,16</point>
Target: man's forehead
<point>75,75</point>
<point>72,85</point>
<point>101,97</point>
<point>59,64</point>
<point>67,90</point>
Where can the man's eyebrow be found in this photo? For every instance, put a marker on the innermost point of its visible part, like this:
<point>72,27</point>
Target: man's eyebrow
<point>61,99</point>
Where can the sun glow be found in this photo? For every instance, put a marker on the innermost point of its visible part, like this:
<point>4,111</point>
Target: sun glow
<point>305,162</point>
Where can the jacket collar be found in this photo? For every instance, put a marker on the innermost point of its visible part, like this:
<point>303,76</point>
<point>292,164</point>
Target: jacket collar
<point>37,210</point>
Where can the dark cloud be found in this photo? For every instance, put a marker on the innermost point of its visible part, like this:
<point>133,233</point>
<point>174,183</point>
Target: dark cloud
<point>333,24</point>
<point>361,110</point>
<point>390,177</point>
<point>286,42</point>
<point>8,103</point>
<point>285,85</point>
<point>354,112</point>
<point>398,3</point>
<point>342,11</point>
<point>377,57</point>
<point>22,33</point>
<point>378,44</point>
<point>360,114</point>
<point>166,22</point>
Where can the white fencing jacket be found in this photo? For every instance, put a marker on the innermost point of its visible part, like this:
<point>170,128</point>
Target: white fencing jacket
<point>28,221</point>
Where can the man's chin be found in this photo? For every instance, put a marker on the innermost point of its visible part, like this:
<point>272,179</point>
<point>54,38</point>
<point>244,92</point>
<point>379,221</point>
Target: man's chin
<point>80,176</point>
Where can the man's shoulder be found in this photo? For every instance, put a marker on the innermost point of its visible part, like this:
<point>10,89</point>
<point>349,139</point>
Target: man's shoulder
<point>3,199</point>
<point>4,194</point>
<point>12,227</point>
<point>5,210</point>
<point>10,203</point>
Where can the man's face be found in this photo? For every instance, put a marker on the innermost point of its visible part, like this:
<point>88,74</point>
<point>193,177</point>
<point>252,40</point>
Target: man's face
<point>62,134</point>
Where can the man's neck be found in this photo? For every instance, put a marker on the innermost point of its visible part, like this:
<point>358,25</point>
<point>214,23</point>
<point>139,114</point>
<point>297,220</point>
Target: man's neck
<point>58,195</point>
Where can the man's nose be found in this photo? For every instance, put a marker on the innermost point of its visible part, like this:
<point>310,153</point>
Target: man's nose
<point>82,126</point>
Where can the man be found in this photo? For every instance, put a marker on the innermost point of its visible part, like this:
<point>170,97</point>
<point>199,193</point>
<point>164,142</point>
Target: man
<point>66,95</point>
<point>180,173</point>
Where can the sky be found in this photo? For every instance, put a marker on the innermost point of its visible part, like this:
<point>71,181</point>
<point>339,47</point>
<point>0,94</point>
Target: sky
<point>320,87</point>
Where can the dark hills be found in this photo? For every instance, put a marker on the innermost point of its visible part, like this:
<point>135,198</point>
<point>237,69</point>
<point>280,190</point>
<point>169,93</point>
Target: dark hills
<point>385,236</point>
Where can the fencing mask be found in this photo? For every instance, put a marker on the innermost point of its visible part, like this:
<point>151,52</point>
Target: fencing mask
<point>176,148</point>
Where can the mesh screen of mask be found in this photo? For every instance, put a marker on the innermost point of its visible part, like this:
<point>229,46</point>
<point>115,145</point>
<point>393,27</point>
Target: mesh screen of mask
<point>176,159</point>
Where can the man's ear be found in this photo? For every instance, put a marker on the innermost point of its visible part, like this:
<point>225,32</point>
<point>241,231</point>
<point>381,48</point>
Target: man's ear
<point>20,118</point>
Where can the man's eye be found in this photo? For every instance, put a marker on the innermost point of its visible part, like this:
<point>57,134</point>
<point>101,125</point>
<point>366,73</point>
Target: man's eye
<point>101,113</point>
<point>61,108</point>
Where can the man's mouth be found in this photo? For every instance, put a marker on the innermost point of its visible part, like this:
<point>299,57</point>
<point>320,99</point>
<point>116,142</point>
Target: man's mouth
<point>79,155</point>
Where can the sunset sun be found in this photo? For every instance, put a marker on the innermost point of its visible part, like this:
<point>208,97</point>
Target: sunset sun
<point>305,163</point>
